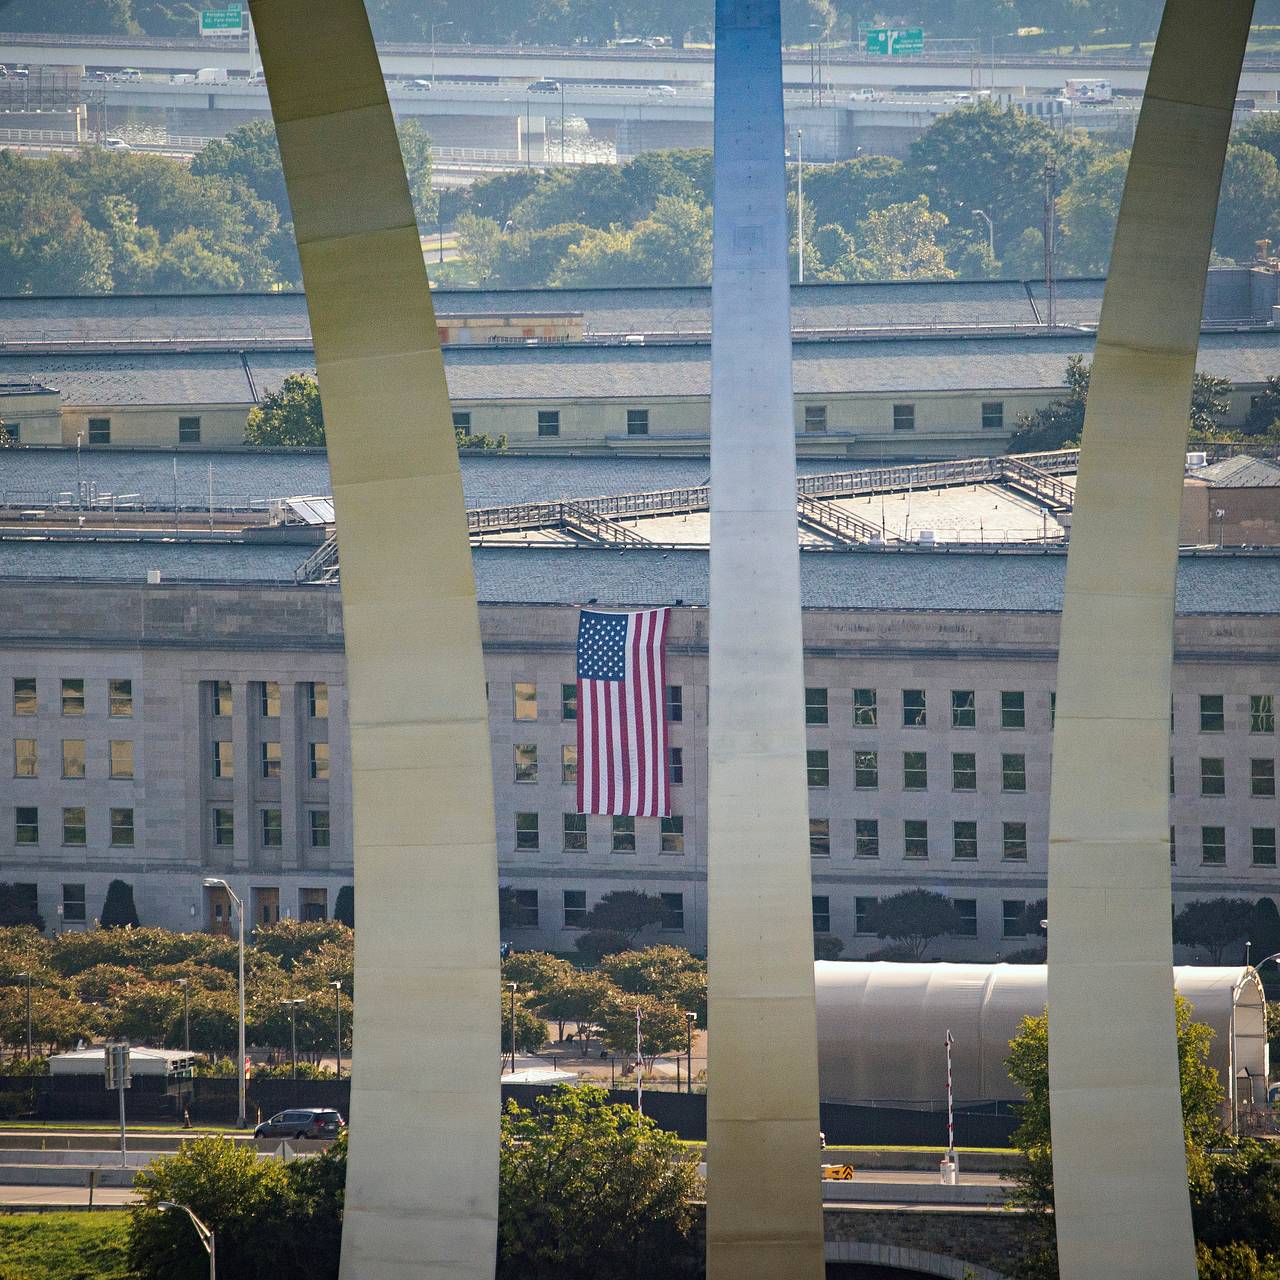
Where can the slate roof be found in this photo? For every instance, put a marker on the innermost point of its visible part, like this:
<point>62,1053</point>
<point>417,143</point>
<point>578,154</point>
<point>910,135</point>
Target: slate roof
<point>160,378</point>
<point>1240,473</point>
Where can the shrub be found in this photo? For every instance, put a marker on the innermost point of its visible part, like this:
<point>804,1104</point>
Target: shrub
<point>118,911</point>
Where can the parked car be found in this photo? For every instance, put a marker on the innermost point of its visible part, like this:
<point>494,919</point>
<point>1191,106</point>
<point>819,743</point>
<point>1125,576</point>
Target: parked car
<point>545,86</point>
<point>310,1122</point>
<point>116,144</point>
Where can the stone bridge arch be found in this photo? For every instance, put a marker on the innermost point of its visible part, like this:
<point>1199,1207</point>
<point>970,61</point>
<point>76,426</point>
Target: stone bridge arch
<point>916,1261</point>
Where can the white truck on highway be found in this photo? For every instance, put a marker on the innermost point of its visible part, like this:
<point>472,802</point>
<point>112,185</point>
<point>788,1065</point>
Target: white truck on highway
<point>212,75</point>
<point>1088,91</point>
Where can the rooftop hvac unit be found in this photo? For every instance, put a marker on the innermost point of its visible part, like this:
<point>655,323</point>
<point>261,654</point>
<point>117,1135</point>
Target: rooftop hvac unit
<point>153,577</point>
<point>925,537</point>
<point>1197,460</point>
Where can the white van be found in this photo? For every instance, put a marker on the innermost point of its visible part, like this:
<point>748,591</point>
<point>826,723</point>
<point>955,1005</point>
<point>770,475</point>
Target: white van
<point>212,75</point>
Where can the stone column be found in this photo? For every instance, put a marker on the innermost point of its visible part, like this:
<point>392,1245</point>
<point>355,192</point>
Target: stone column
<point>422,1176</point>
<point>1119,1161</point>
<point>764,1213</point>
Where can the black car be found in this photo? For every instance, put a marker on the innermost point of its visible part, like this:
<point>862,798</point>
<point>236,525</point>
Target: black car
<point>309,1122</point>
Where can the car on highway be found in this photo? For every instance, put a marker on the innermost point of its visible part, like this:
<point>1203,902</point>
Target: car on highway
<point>116,144</point>
<point>545,85</point>
<point>304,1122</point>
<point>662,91</point>
<point>418,84</point>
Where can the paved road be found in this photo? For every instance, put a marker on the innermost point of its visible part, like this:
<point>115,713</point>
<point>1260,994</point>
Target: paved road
<point>62,1197</point>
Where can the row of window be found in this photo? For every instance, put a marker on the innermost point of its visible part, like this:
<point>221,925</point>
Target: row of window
<point>271,828</point>
<point>75,826</point>
<point>1213,776</point>
<point>524,695</point>
<point>72,697</point>
<point>1013,916</point>
<point>915,839</point>
<point>573,833</point>
<point>72,908</point>
<point>188,430</point>
<point>269,760</point>
<point>915,770</point>
<point>525,913</point>
<point>26,758</point>
<point>268,695</point>
<point>525,763</point>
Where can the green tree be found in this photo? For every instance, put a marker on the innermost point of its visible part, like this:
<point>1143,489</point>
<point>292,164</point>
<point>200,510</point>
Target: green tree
<point>900,242</point>
<point>595,944</point>
<point>293,942</point>
<point>826,946</point>
<point>528,259</point>
<point>846,192</point>
<point>1059,423</point>
<point>673,246</point>
<point>670,973</point>
<point>1213,924</point>
<point>1087,211</point>
<point>589,1189</point>
<point>626,911</point>
<point>344,906</point>
<point>1234,1262</point>
<point>1249,203</point>
<point>18,907</point>
<point>531,1030</point>
<point>415,149</point>
<point>577,996</point>
<point>290,416</point>
<point>1242,1207</point>
<point>535,971</point>
<point>1264,410</point>
<point>1210,403</point>
<point>118,911</point>
<point>914,918</point>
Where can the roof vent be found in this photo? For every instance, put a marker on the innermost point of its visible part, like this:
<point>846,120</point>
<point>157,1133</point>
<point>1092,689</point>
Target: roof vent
<point>925,537</point>
<point>1197,460</point>
<point>153,577</point>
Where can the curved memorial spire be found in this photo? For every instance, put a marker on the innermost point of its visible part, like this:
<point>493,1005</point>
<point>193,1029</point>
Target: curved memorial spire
<point>422,1175</point>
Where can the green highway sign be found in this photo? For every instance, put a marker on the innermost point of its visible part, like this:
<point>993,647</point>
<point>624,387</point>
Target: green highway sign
<point>895,40</point>
<point>221,22</point>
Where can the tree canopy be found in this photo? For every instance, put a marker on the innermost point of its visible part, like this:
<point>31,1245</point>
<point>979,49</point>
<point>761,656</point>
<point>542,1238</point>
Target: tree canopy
<point>914,918</point>
<point>1213,924</point>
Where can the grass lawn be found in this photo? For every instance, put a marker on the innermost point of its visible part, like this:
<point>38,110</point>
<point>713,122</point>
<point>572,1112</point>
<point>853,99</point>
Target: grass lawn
<point>64,1246</point>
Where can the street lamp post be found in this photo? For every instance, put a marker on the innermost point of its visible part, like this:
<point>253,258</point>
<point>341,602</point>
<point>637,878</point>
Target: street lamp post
<point>292,1006</point>
<point>513,986</point>
<point>562,122</point>
<point>690,1019</point>
<point>800,205</point>
<point>27,976</point>
<point>991,229</point>
<point>213,882</point>
<point>205,1234</point>
<point>184,983</point>
<point>436,26</point>
<point>337,1013</point>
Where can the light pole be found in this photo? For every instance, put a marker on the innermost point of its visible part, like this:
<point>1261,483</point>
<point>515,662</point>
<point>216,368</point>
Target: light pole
<point>513,986</point>
<point>800,204</point>
<point>213,882</point>
<point>292,1006</point>
<point>690,1020</point>
<point>991,229</point>
<point>436,26</point>
<point>27,976</point>
<point>184,983</point>
<point>79,438</point>
<point>562,122</point>
<point>205,1234</point>
<point>337,1013</point>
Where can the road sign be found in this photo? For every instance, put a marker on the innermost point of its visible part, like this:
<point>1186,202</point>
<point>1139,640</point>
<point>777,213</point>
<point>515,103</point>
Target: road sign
<point>118,1074</point>
<point>221,22</point>
<point>895,41</point>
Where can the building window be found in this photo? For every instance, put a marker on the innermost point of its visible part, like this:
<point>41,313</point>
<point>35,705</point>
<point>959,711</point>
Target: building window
<point>866,770</point>
<point>993,415</point>
<point>568,702</point>
<point>964,709</point>
<point>1013,711</point>
<point>1262,715</point>
<point>915,771</point>
<point>964,771</point>
<point>26,826</point>
<point>637,422</point>
<point>1014,912</point>
<point>1262,777</point>
<point>821,914</point>
<point>820,837</point>
<point>815,706</point>
<point>1264,846</point>
<point>815,417</point>
<point>313,905</point>
<point>99,430</point>
<point>270,759</point>
<point>966,910</point>
<point>1212,717</point>
<point>526,830</point>
<point>818,767</point>
<point>1173,846</point>
<point>120,697</point>
<point>675,765</point>
<point>526,761</point>
<point>462,421</point>
<point>575,832</point>
<point>319,820</point>
<point>14,431</point>
<point>675,703</point>
<point>964,841</point>
<point>1172,777</point>
<point>673,912</point>
<point>1213,776</point>
<point>568,764</point>
<point>120,754</point>
<point>624,835</point>
<point>24,695</point>
<point>1213,846</point>
<point>1013,772</point>
<point>272,829</point>
<point>1053,711</point>
<point>1014,837</point>
<point>122,827</point>
<point>862,910</point>
<point>913,712</point>
<point>188,430</point>
<point>221,697</point>
<point>866,838</point>
<point>73,826</point>
<point>25,758</point>
<point>904,417</point>
<point>224,827</point>
<point>548,422</point>
<point>526,699</point>
<point>223,760</point>
<point>671,834</point>
<point>575,908</point>
<point>73,902</point>
<point>915,838</point>
<point>864,708</point>
<point>318,760</point>
<point>73,697</point>
<point>318,700</point>
<point>269,698</point>
<point>73,757</point>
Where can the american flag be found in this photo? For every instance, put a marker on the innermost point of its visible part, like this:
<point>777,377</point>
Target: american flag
<point>622,714</point>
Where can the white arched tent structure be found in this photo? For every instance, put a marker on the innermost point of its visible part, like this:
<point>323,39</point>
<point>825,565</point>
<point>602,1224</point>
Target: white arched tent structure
<point>881,1026</point>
